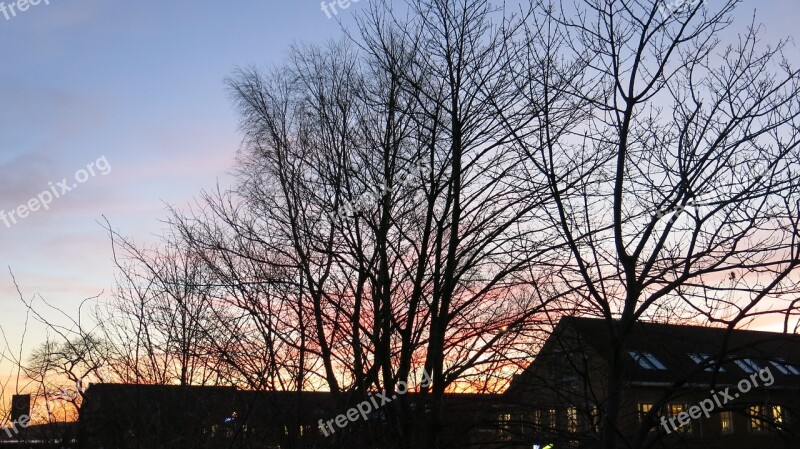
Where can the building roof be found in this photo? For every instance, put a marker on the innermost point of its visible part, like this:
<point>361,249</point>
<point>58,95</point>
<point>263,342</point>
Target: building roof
<point>666,353</point>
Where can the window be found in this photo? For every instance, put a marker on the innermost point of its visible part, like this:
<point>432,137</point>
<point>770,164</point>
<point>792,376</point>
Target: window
<point>537,419</point>
<point>677,409</point>
<point>553,416</point>
<point>726,422</point>
<point>647,360</point>
<point>748,366</point>
<point>595,419</point>
<point>757,414</point>
<point>644,409</point>
<point>785,368</point>
<point>777,415</point>
<point>572,420</point>
<point>504,421</point>
<point>705,359</point>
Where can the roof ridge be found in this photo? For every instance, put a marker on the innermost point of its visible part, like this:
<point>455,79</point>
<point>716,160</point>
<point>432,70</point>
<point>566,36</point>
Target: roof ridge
<point>674,325</point>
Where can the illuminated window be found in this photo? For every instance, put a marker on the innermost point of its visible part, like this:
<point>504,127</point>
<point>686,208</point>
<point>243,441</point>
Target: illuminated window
<point>705,359</point>
<point>677,409</point>
<point>537,419</point>
<point>553,418</point>
<point>595,419</point>
<point>777,415</point>
<point>757,414</point>
<point>505,422</point>
<point>748,366</point>
<point>572,419</point>
<point>644,409</point>
<point>647,360</point>
<point>726,422</point>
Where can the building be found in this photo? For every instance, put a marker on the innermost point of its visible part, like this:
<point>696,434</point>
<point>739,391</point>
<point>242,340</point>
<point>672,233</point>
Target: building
<point>126,416</point>
<point>683,386</point>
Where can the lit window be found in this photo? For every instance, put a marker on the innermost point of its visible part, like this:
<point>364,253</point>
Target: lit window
<point>553,418</point>
<point>677,409</point>
<point>777,415</point>
<point>595,419</point>
<point>537,418</point>
<point>748,366</point>
<point>785,368</point>
<point>647,360</point>
<point>505,422</point>
<point>726,422</point>
<point>757,415</point>
<point>572,420</point>
<point>705,359</point>
<point>644,409</point>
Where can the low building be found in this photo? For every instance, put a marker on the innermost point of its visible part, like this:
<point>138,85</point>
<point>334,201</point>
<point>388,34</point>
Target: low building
<point>125,416</point>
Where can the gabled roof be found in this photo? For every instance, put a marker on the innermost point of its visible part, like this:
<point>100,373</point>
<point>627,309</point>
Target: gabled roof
<point>677,348</point>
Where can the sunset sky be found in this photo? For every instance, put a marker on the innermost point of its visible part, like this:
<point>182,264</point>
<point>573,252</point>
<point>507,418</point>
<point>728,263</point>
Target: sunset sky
<point>141,84</point>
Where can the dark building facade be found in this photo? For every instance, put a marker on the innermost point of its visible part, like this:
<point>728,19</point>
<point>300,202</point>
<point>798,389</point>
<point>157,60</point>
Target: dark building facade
<point>684,386</point>
<point>124,416</point>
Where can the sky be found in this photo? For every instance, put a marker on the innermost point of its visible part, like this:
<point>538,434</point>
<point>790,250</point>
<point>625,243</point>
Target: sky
<point>126,100</point>
<point>137,89</point>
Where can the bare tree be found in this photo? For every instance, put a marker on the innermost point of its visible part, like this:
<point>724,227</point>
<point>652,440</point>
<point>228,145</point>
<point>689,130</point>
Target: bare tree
<point>481,230</point>
<point>56,372</point>
<point>383,191</point>
<point>670,158</point>
<point>161,322</point>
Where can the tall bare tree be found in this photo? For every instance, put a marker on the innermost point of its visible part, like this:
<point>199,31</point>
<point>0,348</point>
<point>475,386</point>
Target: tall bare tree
<point>670,158</point>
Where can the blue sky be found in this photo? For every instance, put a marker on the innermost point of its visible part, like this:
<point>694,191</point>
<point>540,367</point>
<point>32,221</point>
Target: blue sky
<point>140,83</point>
